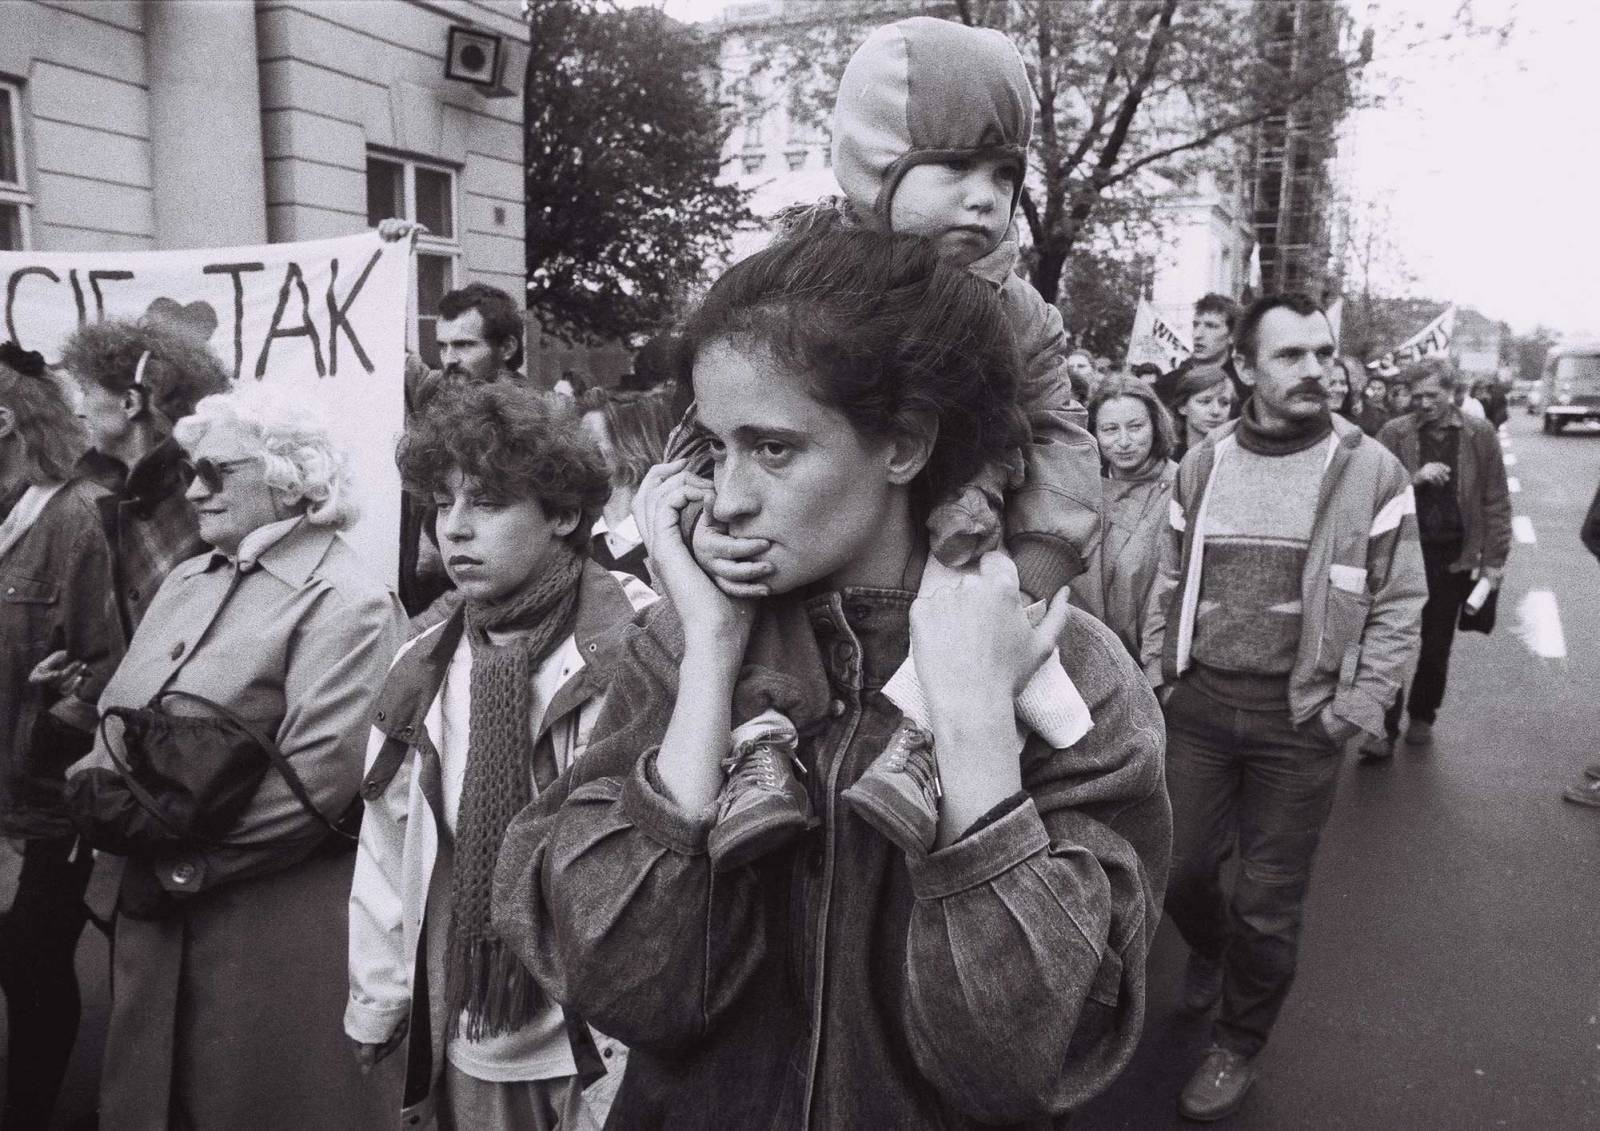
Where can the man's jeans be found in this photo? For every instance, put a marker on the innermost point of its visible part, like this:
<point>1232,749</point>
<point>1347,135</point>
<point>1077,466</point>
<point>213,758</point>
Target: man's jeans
<point>1448,590</point>
<point>1251,778</point>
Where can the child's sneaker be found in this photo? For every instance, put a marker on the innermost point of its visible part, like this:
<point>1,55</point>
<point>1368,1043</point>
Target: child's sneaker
<point>899,794</point>
<point>762,805</point>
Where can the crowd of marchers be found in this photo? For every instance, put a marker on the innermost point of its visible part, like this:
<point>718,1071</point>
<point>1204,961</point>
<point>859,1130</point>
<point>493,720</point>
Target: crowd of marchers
<point>814,738</point>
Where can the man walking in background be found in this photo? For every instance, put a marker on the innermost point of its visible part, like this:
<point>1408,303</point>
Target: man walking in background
<point>1463,520</point>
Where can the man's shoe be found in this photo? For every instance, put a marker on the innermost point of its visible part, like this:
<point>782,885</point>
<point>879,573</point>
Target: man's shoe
<point>1419,733</point>
<point>762,805</point>
<point>1218,1086</point>
<point>1377,749</point>
<point>1202,983</point>
<point>899,793</point>
<point>1586,794</point>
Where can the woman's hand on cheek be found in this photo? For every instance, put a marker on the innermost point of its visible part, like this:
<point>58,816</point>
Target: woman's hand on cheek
<point>709,616</point>
<point>731,561</point>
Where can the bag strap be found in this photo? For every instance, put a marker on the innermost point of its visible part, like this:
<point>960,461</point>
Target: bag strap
<point>296,786</point>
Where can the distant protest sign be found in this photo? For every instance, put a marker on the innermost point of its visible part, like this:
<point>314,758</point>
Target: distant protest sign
<point>1433,340</point>
<point>1155,340</point>
<point>324,319</point>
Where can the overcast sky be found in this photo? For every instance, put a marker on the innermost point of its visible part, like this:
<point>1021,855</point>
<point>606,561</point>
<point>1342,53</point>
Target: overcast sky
<point>1486,155</point>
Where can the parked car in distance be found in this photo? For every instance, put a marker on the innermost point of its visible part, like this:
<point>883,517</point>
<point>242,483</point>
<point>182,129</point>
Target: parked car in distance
<point>1517,391</point>
<point>1570,389</point>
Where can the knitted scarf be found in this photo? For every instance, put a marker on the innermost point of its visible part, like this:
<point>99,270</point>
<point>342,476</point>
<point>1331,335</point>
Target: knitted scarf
<point>483,978</point>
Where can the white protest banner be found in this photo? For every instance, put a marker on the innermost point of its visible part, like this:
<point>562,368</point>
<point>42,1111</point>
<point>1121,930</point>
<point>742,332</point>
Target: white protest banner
<point>1433,340</point>
<point>323,319</point>
<point>1155,340</point>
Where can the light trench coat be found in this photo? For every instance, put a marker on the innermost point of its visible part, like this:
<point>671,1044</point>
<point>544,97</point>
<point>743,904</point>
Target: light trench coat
<point>225,1013</point>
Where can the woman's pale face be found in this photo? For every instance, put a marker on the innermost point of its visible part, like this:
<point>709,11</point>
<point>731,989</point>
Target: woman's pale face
<point>1208,410</point>
<point>1122,428</point>
<point>245,503</point>
<point>797,473</point>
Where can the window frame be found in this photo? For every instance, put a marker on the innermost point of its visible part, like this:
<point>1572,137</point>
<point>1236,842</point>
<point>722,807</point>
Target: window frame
<point>17,192</point>
<point>427,243</point>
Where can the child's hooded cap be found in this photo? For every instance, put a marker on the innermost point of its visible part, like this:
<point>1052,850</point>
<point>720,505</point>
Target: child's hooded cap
<point>921,91</point>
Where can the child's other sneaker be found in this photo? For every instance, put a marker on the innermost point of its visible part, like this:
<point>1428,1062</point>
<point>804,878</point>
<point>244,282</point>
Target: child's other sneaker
<point>762,805</point>
<point>899,793</point>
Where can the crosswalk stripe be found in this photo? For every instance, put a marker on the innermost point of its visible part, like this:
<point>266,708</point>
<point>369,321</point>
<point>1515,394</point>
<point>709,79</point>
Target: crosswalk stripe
<point>1511,460</point>
<point>1540,625</point>
<point>1522,527</point>
<point>1513,484</point>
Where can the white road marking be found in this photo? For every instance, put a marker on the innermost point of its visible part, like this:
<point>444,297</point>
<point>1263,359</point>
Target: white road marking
<point>1522,528</point>
<point>1511,460</point>
<point>1513,484</point>
<point>1540,625</point>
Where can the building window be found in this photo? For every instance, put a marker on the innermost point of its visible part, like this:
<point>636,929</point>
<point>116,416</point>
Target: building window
<point>425,194</point>
<point>753,162</point>
<point>14,199</point>
<point>797,160</point>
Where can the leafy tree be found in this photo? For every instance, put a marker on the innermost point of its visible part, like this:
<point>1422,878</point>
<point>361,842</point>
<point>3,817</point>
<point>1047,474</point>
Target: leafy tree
<point>623,152</point>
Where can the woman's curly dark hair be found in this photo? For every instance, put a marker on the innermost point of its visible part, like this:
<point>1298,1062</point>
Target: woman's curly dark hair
<point>179,374</point>
<point>515,443</point>
<point>892,338</point>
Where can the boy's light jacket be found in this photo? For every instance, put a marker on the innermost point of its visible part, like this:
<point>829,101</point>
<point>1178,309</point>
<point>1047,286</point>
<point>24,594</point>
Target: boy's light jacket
<point>404,807</point>
<point>925,90</point>
<point>1361,591</point>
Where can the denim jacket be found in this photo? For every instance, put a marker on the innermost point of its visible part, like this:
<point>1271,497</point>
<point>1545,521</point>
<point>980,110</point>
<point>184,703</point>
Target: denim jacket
<point>55,595</point>
<point>838,983</point>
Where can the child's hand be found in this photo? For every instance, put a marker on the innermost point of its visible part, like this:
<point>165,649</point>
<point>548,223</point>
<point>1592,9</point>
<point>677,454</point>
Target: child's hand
<point>728,560</point>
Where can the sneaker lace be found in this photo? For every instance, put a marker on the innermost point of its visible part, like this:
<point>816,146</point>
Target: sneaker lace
<point>754,765</point>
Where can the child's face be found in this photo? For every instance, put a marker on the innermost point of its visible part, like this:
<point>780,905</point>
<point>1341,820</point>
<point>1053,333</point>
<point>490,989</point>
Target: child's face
<point>493,547</point>
<point>963,206</point>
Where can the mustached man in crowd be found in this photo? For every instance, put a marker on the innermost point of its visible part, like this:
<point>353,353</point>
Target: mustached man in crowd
<point>1284,622</point>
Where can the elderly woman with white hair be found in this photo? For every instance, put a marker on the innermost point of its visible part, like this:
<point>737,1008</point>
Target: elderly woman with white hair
<point>228,973</point>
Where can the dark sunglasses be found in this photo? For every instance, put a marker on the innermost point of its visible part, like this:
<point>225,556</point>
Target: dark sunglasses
<point>209,471</point>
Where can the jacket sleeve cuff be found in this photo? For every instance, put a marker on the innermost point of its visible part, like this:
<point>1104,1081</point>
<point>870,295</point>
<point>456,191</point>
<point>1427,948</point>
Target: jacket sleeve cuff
<point>978,858</point>
<point>646,805</point>
<point>1044,567</point>
<point>1355,705</point>
<point>368,1024</point>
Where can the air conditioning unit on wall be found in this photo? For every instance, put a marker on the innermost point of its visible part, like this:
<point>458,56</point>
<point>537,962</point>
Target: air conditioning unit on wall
<point>475,57</point>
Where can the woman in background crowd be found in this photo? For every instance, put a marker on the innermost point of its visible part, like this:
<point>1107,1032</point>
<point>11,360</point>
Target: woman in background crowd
<point>1136,439</point>
<point>631,429</point>
<point>138,380</point>
<point>1203,400</point>
<point>59,626</point>
<point>1399,401</point>
<point>229,966</point>
<point>1341,390</point>
<point>1373,412</point>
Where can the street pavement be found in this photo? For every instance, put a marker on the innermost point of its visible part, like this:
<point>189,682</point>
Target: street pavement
<point>1450,962</point>
<point>1449,969</point>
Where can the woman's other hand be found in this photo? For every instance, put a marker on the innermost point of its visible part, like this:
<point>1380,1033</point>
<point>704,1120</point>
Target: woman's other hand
<point>971,635</point>
<point>709,615</point>
<point>975,650</point>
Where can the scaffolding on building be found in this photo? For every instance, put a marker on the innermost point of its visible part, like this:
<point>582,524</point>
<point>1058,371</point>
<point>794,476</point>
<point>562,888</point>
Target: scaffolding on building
<point>1293,150</point>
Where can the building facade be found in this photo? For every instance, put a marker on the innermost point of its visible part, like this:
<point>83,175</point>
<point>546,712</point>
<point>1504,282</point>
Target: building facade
<point>133,125</point>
